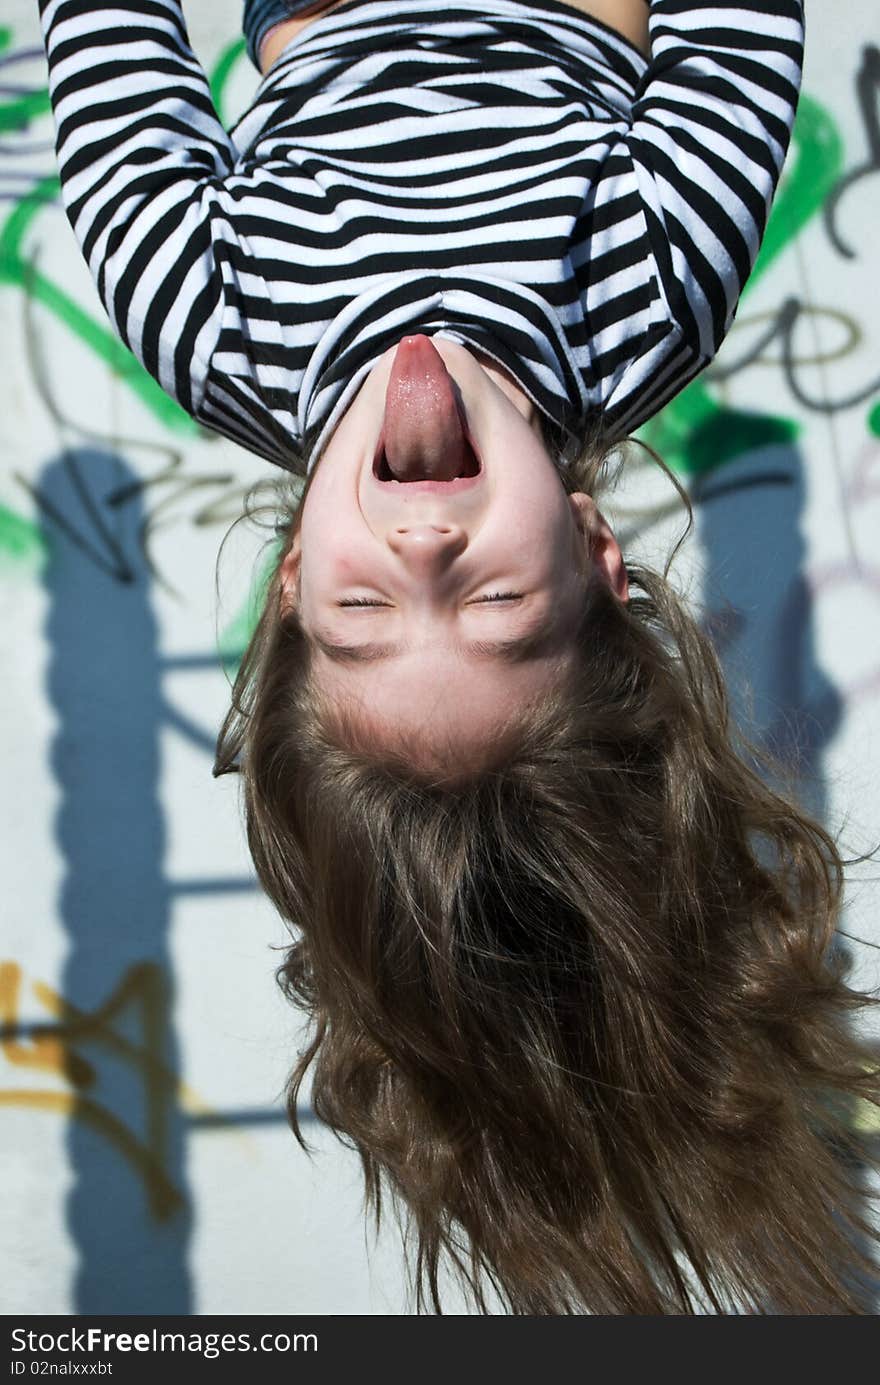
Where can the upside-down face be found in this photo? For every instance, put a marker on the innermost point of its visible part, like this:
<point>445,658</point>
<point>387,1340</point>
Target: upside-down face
<point>440,565</point>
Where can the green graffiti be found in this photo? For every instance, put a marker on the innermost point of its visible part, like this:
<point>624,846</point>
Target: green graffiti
<point>235,637</point>
<point>733,432</point>
<point>17,115</point>
<point>220,75</point>
<point>694,434</point>
<point>22,544</point>
<point>816,166</point>
<point>16,269</point>
<point>874,420</point>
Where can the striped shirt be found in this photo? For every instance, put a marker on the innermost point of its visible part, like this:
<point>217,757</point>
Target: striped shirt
<point>513,176</point>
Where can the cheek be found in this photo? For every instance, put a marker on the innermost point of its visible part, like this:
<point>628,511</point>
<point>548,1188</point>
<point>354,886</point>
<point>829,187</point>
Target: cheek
<point>537,526</point>
<point>328,568</point>
<point>341,567</point>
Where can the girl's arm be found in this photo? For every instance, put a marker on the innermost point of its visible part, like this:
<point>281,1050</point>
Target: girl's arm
<point>682,200</point>
<point>148,182</point>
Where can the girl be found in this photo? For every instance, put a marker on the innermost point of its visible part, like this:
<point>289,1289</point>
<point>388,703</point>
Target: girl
<point>566,957</point>
<point>443,248</point>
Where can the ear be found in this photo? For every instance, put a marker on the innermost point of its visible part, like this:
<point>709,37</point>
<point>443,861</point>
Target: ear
<point>290,567</point>
<point>601,549</point>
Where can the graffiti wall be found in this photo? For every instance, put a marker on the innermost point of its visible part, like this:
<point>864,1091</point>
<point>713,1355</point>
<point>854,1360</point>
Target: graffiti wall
<point>148,1165</point>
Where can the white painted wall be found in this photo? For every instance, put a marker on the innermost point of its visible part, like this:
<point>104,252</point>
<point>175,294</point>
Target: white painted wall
<point>124,862</point>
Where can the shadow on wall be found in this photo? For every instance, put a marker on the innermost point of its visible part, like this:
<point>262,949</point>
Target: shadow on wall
<point>761,612</point>
<point>128,1212</point>
<point>761,618</point>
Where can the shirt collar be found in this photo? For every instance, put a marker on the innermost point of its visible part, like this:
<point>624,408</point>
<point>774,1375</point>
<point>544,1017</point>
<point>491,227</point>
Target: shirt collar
<point>505,321</point>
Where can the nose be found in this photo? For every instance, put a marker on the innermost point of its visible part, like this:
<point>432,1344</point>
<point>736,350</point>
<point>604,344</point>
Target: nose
<point>427,548</point>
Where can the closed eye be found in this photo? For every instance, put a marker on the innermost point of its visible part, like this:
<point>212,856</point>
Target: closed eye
<point>369,601</point>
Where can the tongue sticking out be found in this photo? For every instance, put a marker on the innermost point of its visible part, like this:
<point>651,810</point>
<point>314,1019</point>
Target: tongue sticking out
<point>424,439</point>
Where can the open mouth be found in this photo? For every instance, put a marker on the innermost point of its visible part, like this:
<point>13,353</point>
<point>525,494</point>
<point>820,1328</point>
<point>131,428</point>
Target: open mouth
<point>469,465</point>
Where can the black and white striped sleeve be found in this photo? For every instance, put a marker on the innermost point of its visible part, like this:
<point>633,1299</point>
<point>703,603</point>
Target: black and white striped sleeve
<point>150,184</point>
<point>142,157</point>
<point>682,202</point>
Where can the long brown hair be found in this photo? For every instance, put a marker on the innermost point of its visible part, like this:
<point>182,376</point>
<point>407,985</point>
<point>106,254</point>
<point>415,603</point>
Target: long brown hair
<point>581,1014</point>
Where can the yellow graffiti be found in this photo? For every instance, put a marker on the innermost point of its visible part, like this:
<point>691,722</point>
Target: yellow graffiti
<point>46,1049</point>
<point>143,987</point>
<point>165,1198</point>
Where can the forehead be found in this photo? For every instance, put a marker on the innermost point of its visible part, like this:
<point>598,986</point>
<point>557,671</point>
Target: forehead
<point>439,714</point>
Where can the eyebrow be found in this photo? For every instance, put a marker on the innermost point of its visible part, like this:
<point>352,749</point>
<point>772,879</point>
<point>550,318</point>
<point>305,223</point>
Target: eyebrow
<point>515,649</point>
